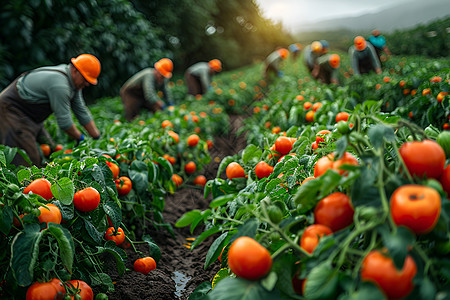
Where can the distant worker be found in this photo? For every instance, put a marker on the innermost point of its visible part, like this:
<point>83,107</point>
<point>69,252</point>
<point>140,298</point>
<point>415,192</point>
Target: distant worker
<point>327,69</point>
<point>199,76</point>
<point>32,97</point>
<point>295,50</point>
<point>274,63</point>
<point>140,91</point>
<point>363,57</point>
<point>311,53</point>
<point>379,43</point>
<point>325,47</point>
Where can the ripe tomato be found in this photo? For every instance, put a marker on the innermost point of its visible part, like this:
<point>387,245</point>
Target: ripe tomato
<point>51,215</point>
<point>200,180</point>
<point>445,180</point>
<point>309,117</point>
<point>307,105</point>
<point>381,270</point>
<point>192,140</point>
<point>144,265</point>
<point>59,147</point>
<point>263,169</point>
<point>177,179</point>
<point>166,123</point>
<point>416,206</point>
<point>190,167</point>
<point>314,146</point>
<point>234,170</point>
<point>316,106</point>
<point>328,162</point>
<point>171,159</point>
<point>117,236</point>
<point>83,289</point>
<point>248,259</point>
<point>53,289</point>
<point>114,169</point>
<point>86,200</point>
<point>174,135</point>
<point>283,145</point>
<point>311,235</point>
<point>46,150</point>
<point>342,116</point>
<point>423,158</point>
<point>123,185</point>
<point>41,187</point>
<point>320,135</point>
<point>334,211</point>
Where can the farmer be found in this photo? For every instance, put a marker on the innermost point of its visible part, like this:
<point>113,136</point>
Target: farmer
<point>274,62</point>
<point>199,76</point>
<point>311,53</point>
<point>363,57</point>
<point>379,43</point>
<point>140,91</point>
<point>295,50</point>
<point>327,69</point>
<point>32,97</point>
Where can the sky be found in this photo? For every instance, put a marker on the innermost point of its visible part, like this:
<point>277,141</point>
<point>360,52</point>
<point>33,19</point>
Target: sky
<point>293,12</point>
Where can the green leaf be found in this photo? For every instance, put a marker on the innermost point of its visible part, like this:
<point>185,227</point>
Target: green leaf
<point>102,279</point>
<point>165,164</point>
<point>6,219</point>
<point>251,152</point>
<point>367,291</point>
<point>23,174</point>
<point>2,158</point>
<point>25,253</point>
<point>63,190</point>
<point>93,232</point>
<point>322,282</point>
<point>114,212</point>
<point>200,291</point>
<point>118,253</point>
<point>378,133</point>
<point>215,249</point>
<point>155,251</point>
<point>239,289</point>
<point>139,176</point>
<point>65,243</point>
<point>188,218</point>
<point>221,200</point>
<point>397,243</point>
<point>307,194</point>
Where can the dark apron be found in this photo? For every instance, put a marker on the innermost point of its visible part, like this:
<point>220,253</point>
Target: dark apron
<point>194,84</point>
<point>21,123</point>
<point>133,100</point>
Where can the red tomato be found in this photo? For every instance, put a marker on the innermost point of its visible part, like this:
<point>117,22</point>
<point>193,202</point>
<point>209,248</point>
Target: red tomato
<point>51,215</point>
<point>342,116</point>
<point>328,162</point>
<point>41,187</point>
<point>86,200</point>
<point>117,236</point>
<point>46,290</point>
<point>234,170</point>
<point>423,158</point>
<point>263,169</point>
<point>200,180</point>
<point>311,235</point>
<point>445,180</point>
<point>248,259</point>
<point>123,185</point>
<point>334,211</point>
<point>144,265</point>
<point>113,167</point>
<point>320,135</point>
<point>83,289</point>
<point>381,270</point>
<point>283,145</point>
<point>416,206</point>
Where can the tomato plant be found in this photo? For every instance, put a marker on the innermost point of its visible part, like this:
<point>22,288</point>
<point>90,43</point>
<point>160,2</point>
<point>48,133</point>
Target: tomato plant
<point>117,236</point>
<point>144,265</point>
<point>248,259</point>
<point>87,199</point>
<point>123,185</point>
<point>311,235</point>
<point>41,187</point>
<point>335,211</point>
<point>430,165</point>
<point>416,207</point>
<point>380,269</point>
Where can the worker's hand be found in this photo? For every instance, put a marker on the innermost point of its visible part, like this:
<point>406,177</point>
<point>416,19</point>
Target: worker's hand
<point>378,71</point>
<point>159,105</point>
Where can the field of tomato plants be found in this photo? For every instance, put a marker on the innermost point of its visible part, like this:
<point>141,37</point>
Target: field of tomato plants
<point>288,190</point>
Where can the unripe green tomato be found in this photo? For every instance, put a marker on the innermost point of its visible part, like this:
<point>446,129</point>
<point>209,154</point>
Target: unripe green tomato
<point>13,188</point>
<point>101,296</point>
<point>274,236</point>
<point>443,139</point>
<point>433,183</point>
<point>77,297</point>
<point>342,127</point>
<point>275,214</point>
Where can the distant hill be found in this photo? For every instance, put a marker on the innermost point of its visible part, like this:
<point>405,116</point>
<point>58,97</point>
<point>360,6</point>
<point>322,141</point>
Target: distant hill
<point>389,20</point>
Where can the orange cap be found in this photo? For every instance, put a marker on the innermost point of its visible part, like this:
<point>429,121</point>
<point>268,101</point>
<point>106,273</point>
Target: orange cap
<point>89,67</point>
<point>334,60</point>
<point>316,46</point>
<point>215,64</point>
<point>360,43</point>
<point>283,52</point>
<point>165,67</point>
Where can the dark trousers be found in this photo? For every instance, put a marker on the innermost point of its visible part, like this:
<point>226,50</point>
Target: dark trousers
<point>193,84</point>
<point>133,101</point>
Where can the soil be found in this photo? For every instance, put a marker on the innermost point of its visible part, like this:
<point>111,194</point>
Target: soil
<point>180,270</point>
